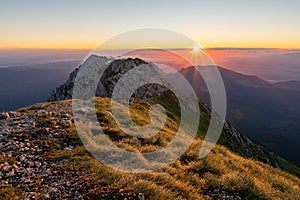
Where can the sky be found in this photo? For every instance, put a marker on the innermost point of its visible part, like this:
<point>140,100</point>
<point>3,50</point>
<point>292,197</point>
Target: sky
<point>78,24</point>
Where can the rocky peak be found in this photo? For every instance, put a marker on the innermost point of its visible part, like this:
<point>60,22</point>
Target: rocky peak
<point>230,137</point>
<point>109,78</point>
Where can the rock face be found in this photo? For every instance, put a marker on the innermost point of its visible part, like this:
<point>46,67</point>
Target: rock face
<point>116,69</point>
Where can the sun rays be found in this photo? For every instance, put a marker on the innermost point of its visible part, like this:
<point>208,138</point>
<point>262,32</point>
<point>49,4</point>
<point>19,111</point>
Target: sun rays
<point>197,55</point>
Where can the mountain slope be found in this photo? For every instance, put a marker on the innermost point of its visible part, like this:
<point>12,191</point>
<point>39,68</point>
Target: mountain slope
<point>42,157</point>
<point>230,137</point>
<point>260,110</point>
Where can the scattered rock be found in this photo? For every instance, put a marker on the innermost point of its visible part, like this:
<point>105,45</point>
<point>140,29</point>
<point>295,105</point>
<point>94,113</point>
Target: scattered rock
<point>25,149</point>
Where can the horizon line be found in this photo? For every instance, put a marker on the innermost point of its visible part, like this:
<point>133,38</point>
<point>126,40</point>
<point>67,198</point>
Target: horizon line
<point>90,49</point>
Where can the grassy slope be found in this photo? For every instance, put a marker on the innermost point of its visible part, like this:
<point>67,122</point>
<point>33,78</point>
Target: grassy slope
<point>232,143</point>
<point>187,178</point>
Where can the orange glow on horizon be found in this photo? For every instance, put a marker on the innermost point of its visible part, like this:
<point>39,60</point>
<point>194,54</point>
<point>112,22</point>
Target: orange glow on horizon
<point>82,44</point>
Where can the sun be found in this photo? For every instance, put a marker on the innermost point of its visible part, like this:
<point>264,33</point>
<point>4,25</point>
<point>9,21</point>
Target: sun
<point>196,48</point>
<point>197,54</point>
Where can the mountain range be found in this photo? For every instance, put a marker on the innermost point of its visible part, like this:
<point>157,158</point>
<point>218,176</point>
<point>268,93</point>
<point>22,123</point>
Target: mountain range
<point>43,156</point>
<point>266,113</point>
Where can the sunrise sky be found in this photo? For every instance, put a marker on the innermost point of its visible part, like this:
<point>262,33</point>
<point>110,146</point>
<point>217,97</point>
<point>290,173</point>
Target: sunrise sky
<point>78,24</point>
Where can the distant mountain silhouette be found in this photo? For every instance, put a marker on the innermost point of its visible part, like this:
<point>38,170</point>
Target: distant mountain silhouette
<point>24,85</point>
<point>289,85</point>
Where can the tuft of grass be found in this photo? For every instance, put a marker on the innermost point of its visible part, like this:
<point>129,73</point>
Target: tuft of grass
<point>9,193</point>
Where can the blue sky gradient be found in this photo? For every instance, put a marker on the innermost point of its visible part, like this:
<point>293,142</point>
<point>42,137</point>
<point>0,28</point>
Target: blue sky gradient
<point>84,24</point>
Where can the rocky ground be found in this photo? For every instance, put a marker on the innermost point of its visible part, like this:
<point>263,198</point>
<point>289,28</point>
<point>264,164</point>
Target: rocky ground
<point>26,163</point>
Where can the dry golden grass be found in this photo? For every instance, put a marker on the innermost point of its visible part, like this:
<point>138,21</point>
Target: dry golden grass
<point>220,169</point>
<point>9,193</point>
<point>189,177</point>
<point>186,178</point>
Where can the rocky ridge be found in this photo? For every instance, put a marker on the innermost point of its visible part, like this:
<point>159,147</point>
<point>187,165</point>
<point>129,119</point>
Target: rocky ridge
<point>230,137</point>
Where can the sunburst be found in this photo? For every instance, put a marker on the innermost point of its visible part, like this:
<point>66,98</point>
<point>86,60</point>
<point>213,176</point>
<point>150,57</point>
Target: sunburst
<point>196,54</point>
